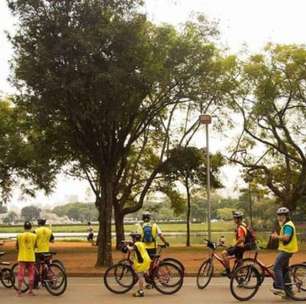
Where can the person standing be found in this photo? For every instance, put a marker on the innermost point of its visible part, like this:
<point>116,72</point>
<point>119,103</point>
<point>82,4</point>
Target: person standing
<point>26,243</point>
<point>288,245</point>
<point>149,232</point>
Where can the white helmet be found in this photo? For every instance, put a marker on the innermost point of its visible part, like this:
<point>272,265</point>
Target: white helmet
<point>282,210</point>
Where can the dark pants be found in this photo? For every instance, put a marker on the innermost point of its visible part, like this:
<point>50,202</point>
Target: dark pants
<point>281,268</point>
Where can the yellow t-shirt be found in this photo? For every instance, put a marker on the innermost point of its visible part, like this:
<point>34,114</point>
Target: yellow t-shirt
<point>43,239</point>
<point>155,232</point>
<point>26,247</point>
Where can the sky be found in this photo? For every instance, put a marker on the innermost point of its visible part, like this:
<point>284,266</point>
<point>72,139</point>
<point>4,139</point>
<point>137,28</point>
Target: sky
<point>241,22</point>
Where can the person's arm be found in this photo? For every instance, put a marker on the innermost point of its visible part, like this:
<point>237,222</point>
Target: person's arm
<point>288,231</point>
<point>241,237</point>
<point>160,234</point>
<point>51,240</point>
<point>17,246</point>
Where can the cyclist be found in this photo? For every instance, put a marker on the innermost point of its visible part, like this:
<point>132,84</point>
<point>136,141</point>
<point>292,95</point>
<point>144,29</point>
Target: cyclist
<point>26,243</point>
<point>239,247</point>
<point>288,245</point>
<point>141,261</point>
<point>149,232</point>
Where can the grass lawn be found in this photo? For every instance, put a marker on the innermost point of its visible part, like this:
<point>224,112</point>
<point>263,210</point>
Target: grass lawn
<point>217,227</point>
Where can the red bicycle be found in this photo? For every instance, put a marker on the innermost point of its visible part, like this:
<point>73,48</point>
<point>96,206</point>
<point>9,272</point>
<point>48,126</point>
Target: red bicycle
<point>165,276</point>
<point>51,276</point>
<point>206,270</point>
<point>246,280</point>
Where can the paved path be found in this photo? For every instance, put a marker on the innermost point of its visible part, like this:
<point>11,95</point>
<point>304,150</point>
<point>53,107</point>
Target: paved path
<point>92,291</point>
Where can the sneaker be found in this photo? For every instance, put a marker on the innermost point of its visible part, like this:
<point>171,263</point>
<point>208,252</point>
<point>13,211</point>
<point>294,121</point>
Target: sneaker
<point>138,294</point>
<point>278,291</point>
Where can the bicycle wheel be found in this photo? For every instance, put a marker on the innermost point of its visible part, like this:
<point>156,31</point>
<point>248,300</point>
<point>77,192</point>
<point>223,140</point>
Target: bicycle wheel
<point>7,278</point>
<point>168,278</point>
<point>295,282</point>
<point>245,282</point>
<point>205,274</point>
<point>119,278</point>
<point>250,261</point>
<point>25,284</point>
<point>175,262</point>
<point>55,280</point>
<point>59,263</point>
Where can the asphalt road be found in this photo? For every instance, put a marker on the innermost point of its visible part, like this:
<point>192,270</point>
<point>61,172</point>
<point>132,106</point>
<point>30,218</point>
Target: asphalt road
<point>92,291</point>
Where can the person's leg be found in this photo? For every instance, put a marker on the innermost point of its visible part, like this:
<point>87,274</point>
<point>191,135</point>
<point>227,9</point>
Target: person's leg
<point>20,276</point>
<point>226,259</point>
<point>281,261</point>
<point>140,292</point>
<point>286,277</point>
<point>31,274</point>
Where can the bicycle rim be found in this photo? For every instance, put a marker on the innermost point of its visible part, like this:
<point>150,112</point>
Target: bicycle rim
<point>245,282</point>
<point>168,278</point>
<point>119,278</point>
<point>295,282</point>
<point>55,280</point>
<point>205,274</point>
<point>175,262</point>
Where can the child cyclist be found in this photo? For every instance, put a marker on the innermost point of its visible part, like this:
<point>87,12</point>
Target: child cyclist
<point>26,243</point>
<point>141,261</point>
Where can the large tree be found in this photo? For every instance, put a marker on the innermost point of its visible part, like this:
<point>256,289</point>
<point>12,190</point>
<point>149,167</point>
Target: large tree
<point>187,165</point>
<point>272,103</point>
<point>98,75</point>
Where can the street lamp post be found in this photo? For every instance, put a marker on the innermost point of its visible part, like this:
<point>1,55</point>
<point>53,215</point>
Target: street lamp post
<point>206,120</point>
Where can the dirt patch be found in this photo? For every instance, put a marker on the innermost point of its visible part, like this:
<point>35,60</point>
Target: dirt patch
<point>79,257</point>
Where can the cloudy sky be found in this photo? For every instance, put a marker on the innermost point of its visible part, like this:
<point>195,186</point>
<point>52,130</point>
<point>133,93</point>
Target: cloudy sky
<point>242,22</point>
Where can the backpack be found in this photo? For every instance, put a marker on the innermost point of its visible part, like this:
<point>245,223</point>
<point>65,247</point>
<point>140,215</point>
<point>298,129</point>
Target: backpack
<point>148,234</point>
<point>250,239</point>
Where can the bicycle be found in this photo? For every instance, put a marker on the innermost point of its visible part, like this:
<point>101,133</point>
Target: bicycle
<point>206,270</point>
<point>165,276</point>
<point>174,261</point>
<point>247,279</point>
<point>6,275</point>
<point>51,276</point>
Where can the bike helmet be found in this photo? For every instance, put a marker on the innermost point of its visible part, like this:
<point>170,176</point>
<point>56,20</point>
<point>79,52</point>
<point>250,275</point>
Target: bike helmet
<point>146,216</point>
<point>41,222</point>
<point>282,211</point>
<point>27,225</point>
<point>237,214</point>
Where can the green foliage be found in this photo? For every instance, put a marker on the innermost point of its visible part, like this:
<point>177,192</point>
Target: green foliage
<point>30,213</point>
<point>11,218</point>
<point>80,212</point>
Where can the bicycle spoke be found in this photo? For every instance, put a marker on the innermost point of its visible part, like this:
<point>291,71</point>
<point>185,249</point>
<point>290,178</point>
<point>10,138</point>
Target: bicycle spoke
<point>295,282</point>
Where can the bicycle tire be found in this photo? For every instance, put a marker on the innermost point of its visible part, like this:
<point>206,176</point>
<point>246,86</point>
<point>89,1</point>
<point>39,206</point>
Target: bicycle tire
<point>25,286</point>
<point>175,262</point>
<point>238,277</point>
<point>7,278</point>
<point>112,272</point>
<point>59,263</point>
<point>295,287</point>
<point>250,261</point>
<point>205,270</point>
<point>164,286</point>
<point>50,281</point>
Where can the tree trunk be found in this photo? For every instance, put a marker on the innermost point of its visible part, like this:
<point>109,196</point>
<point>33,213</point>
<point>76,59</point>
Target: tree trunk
<point>188,213</point>
<point>119,224</point>
<point>104,254</point>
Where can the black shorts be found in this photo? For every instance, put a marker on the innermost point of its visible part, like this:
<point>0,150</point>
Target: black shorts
<point>151,252</point>
<point>90,236</point>
<point>235,251</point>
